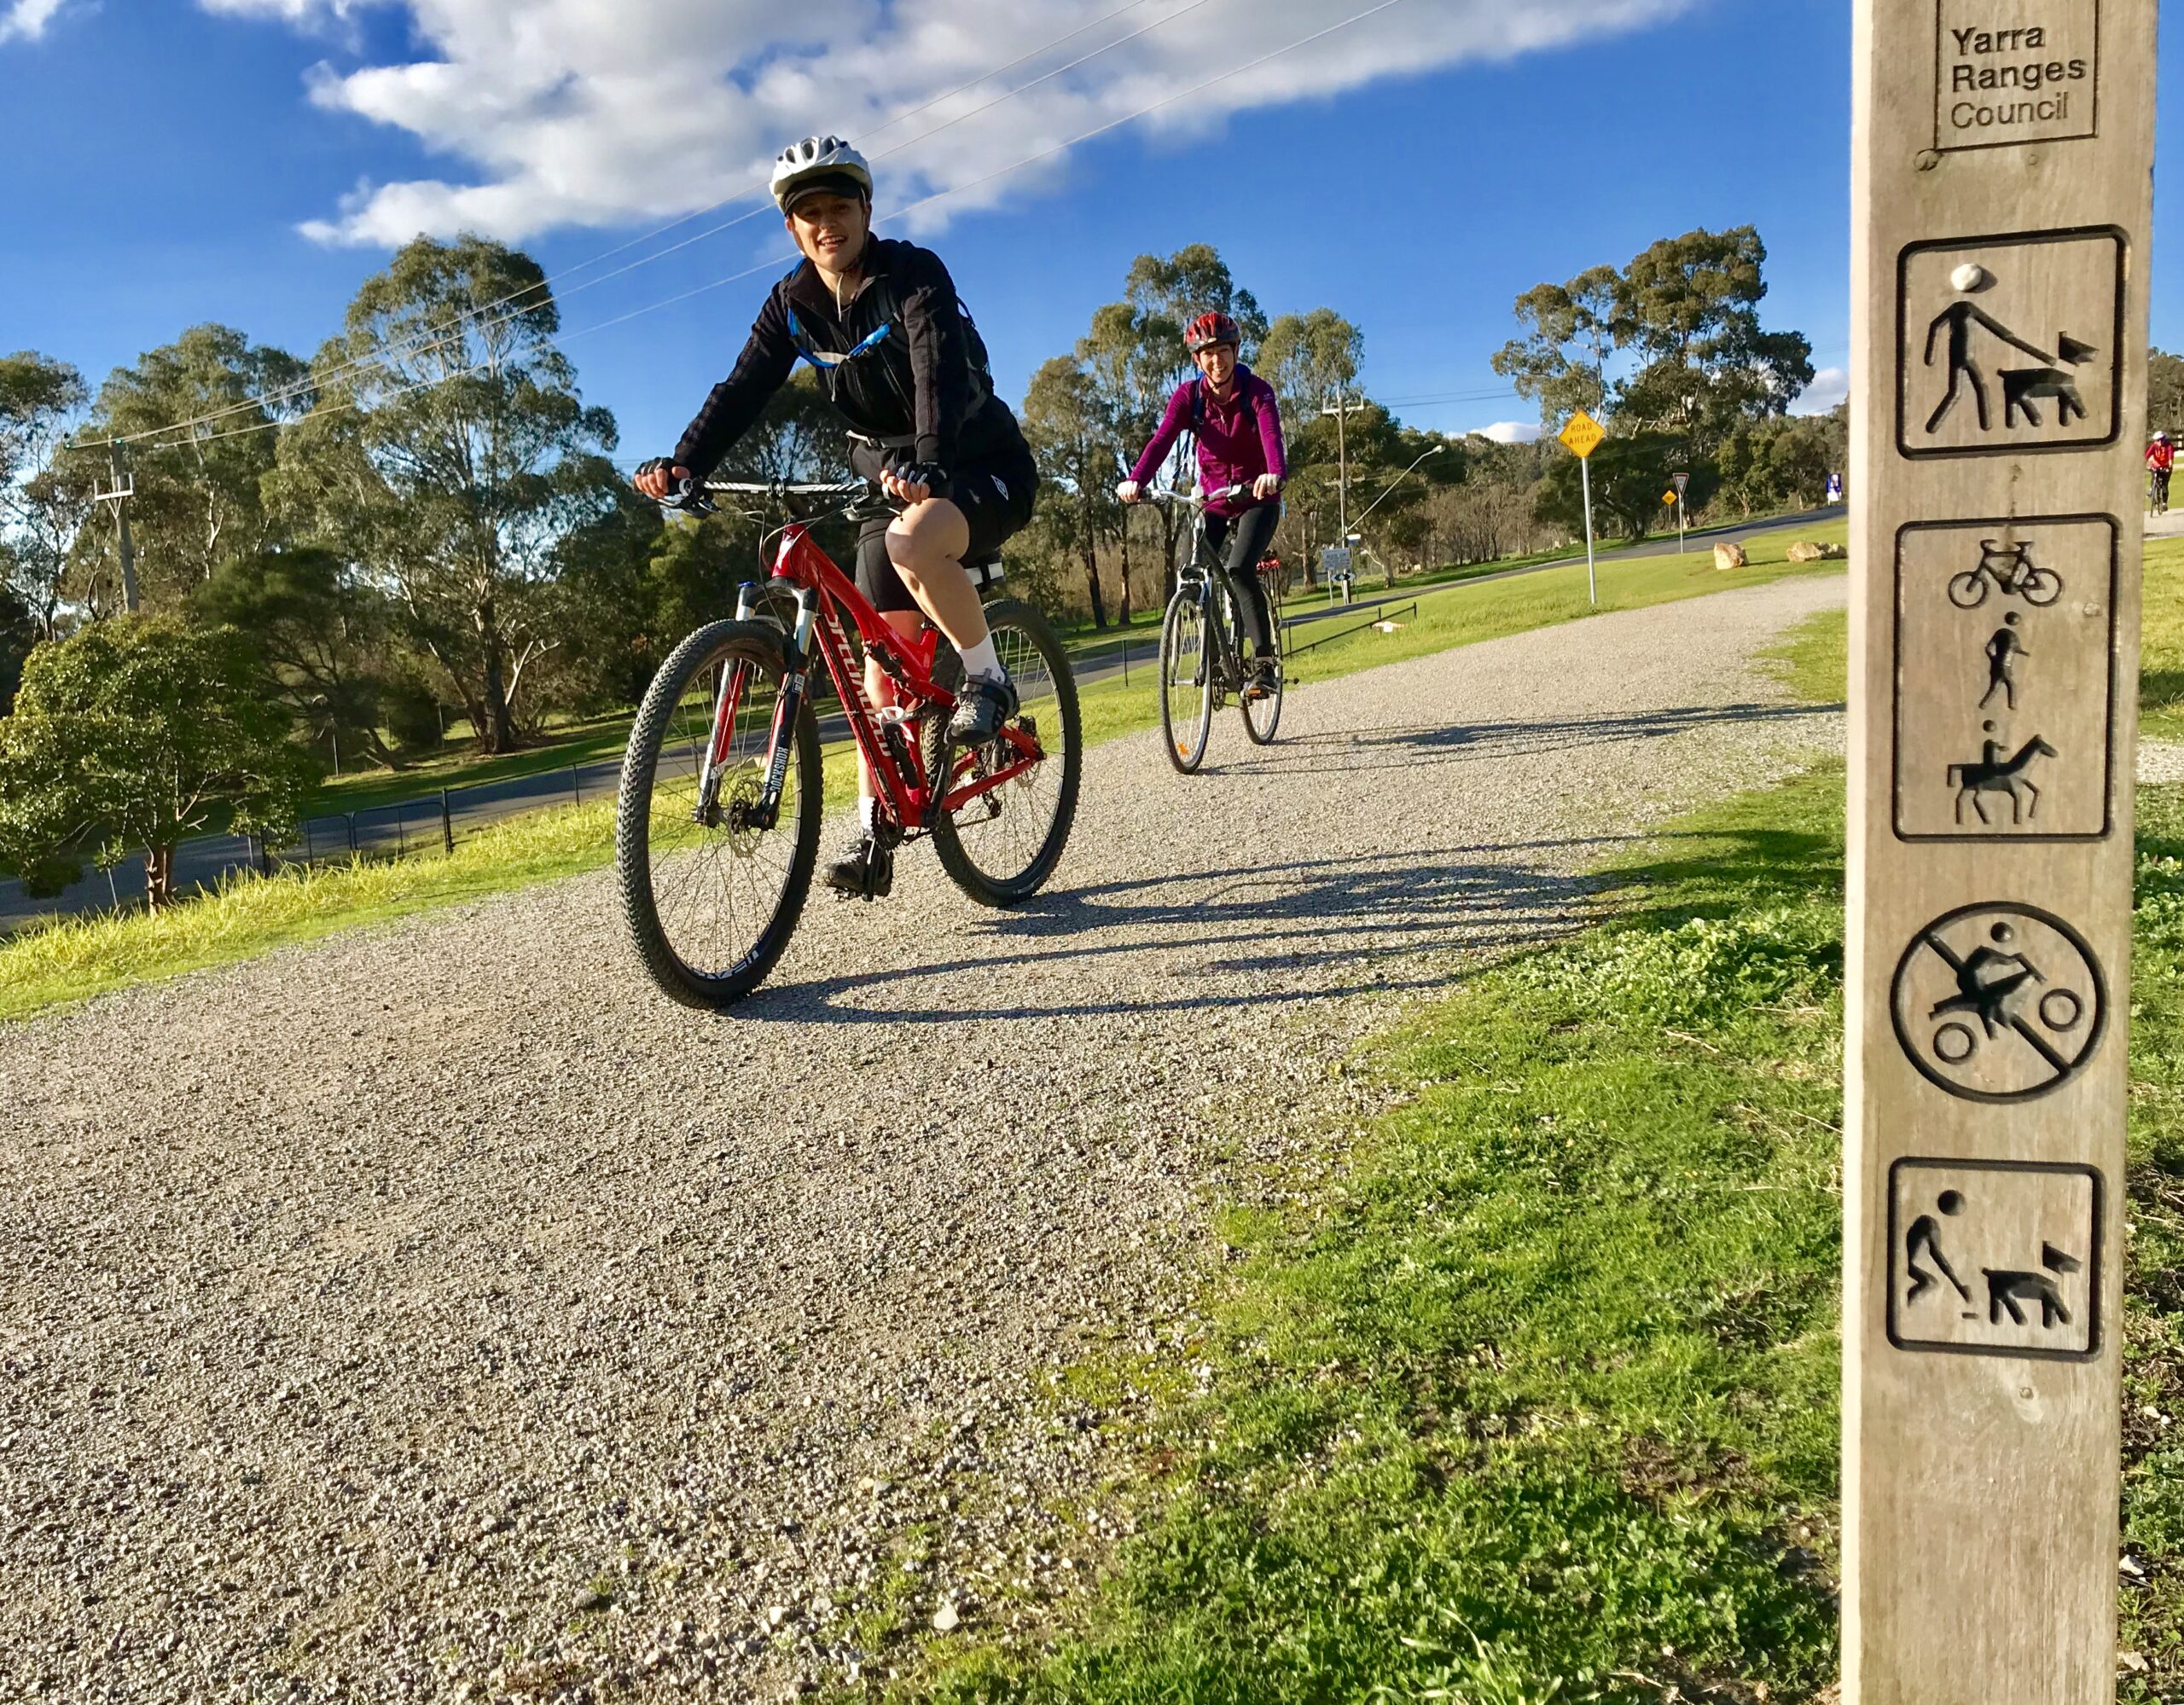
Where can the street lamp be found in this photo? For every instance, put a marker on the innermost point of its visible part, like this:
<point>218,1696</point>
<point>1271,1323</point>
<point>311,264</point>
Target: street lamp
<point>1382,498</point>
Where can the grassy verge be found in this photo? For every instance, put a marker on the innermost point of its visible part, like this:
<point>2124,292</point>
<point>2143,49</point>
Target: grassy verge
<point>2161,670</point>
<point>1537,1400</point>
<point>458,765</point>
<point>77,958</point>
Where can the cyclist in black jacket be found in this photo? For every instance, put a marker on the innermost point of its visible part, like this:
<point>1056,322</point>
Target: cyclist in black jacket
<point>901,360</point>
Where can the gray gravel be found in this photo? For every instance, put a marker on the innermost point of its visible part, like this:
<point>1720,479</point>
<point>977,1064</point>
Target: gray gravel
<point>438,1312</point>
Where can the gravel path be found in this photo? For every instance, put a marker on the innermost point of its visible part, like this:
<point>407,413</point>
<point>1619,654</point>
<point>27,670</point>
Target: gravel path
<point>438,1312</point>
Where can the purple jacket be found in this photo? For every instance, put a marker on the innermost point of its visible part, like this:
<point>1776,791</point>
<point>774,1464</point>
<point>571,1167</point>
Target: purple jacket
<point>1237,441</point>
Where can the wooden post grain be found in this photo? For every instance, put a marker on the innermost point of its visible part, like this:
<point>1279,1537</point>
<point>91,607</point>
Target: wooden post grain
<point>2002,199</point>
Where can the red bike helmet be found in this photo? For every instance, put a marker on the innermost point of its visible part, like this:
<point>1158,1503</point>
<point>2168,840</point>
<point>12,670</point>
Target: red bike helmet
<point>1209,329</point>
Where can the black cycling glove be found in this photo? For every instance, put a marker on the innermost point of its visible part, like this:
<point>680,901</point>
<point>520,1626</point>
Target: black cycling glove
<point>929,474</point>
<point>691,498</point>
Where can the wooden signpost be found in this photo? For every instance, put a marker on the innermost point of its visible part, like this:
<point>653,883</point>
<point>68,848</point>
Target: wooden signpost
<point>2003,153</point>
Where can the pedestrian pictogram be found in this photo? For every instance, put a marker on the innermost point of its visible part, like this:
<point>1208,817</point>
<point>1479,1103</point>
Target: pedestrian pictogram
<point>2004,648</point>
<point>2010,343</point>
<point>1993,1257</point>
<point>2006,729</point>
<point>1999,1002</point>
<point>1582,435</point>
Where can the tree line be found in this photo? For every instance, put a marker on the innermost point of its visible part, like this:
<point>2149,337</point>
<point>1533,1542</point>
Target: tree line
<point>333,559</point>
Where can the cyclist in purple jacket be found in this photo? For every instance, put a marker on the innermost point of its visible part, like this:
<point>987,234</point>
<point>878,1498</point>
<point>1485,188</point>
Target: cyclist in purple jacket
<point>1232,413</point>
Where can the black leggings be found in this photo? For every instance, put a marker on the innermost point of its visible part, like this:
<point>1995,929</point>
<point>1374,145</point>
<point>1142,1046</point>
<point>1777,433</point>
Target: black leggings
<point>1245,538</point>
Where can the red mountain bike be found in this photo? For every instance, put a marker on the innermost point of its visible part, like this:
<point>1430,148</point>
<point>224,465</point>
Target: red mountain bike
<point>716,828</point>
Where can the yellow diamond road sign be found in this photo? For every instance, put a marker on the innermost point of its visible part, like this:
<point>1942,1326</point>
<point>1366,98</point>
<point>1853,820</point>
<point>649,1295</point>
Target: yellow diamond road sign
<point>1583,435</point>
<point>1667,497</point>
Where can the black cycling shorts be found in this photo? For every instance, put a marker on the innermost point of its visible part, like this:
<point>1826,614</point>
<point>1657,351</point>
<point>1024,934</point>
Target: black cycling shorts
<point>996,499</point>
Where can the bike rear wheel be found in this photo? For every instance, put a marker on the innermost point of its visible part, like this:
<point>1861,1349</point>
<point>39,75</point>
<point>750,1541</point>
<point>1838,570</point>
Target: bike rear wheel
<point>1967,590</point>
<point>710,898</point>
<point>1001,847</point>
<point>1262,716</point>
<point>1186,665</point>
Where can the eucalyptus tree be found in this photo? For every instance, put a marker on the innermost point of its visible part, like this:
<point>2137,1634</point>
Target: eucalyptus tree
<point>201,413</point>
<point>46,487</point>
<point>1067,427</point>
<point>448,453</point>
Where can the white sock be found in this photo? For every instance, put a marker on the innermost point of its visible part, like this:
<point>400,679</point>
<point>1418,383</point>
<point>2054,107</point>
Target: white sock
<point>982,659</point>
<point>868,811</point>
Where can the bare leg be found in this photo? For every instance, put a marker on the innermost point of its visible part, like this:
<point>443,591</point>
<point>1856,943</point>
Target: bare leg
<point>926,543</point>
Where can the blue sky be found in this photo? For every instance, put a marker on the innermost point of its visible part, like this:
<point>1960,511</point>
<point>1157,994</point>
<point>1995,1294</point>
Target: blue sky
<point>182,147</point>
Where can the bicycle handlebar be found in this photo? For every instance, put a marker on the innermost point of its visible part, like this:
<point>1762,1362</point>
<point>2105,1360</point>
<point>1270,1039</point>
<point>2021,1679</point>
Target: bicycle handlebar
<point>695,495</point>
<point>1197,500</point>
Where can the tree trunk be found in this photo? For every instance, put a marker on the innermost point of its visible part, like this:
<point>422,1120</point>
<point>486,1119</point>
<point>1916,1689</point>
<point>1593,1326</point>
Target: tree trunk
<point>497,733</point>
<point>158,877</point>
<point>1123,597</point>
<point>1091,548</point>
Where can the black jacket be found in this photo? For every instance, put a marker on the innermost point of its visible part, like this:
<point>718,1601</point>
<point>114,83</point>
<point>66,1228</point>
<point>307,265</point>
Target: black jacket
<point>921,391</point>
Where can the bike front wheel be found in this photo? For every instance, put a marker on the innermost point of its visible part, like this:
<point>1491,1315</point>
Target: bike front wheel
<point>2043,586</point>
<point>1001,846</point>
<point>1186,665</point>
<point>710,893</point>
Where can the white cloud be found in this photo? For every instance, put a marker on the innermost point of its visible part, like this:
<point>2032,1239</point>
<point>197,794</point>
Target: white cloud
<point>1829,386</point>
<point>556,113</point>
<point>1512,432</point>
<point>26,20</point>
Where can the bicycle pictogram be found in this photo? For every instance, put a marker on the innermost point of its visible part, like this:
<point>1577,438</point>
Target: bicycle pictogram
<point>2006,566</point>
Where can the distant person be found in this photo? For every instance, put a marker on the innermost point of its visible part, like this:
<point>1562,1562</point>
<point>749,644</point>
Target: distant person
<point>2161,461</point>
<point>1232,413</point>
<point>1834,488</point>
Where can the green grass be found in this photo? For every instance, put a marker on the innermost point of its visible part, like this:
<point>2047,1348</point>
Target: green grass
<point>86,956</point>
<point>2161,672</point>
<point>1537,1399</point>
<point>80,957</point>
<point>459,765</point>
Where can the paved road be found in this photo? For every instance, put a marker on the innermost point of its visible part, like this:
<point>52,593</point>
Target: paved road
<point>438,1308</point>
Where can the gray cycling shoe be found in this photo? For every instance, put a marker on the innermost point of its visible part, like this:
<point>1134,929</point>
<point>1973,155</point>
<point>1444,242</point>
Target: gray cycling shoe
<point>866,869</point>
<point>1263,679</point>
<point>982,706</point>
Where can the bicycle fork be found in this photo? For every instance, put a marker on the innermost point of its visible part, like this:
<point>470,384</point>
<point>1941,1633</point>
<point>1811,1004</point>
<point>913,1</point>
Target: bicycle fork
<point>765,812</point>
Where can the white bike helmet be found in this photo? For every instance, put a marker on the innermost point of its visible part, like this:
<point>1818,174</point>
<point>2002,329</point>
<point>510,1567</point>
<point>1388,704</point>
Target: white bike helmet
<point>816,159</point>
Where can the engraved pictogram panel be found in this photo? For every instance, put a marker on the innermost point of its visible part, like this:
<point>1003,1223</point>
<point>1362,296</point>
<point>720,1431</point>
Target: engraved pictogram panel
<point>1999,1002</point>
<point>2006,678</point>
<point>2009,72</point>
<point>2009,344</point>
<point>1994,1257</point>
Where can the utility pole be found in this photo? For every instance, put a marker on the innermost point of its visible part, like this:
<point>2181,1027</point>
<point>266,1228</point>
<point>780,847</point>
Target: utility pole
<point>1341,411</point>
<point>118,495</point>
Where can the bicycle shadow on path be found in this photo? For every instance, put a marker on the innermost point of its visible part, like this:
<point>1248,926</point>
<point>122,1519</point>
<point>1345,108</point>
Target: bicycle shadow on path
<point>1409,748</point>
<point>1306,930</point>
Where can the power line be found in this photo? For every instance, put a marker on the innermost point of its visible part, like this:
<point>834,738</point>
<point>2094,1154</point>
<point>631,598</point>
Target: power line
<point>425,342</point>
<point>925,201</point>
